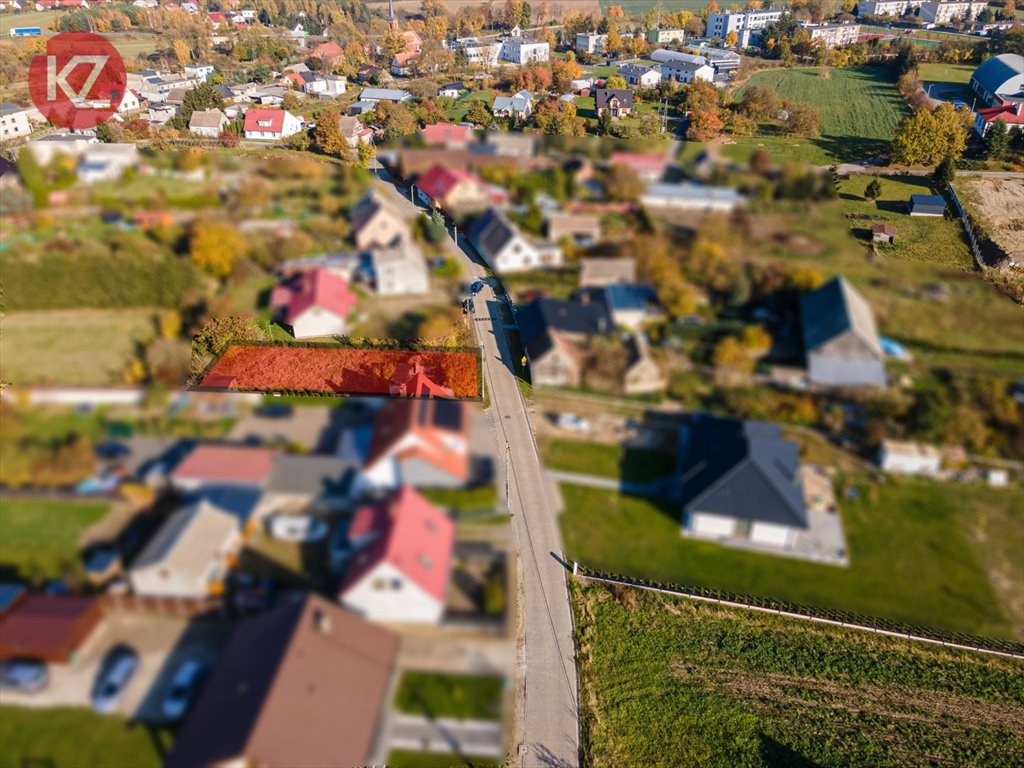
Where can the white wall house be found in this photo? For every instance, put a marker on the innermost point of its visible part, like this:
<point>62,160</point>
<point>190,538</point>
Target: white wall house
<point>14,121</point>
<point>519,50</point>
<point>506,250</point>
<point>909,458</point>
<point>270,124</point>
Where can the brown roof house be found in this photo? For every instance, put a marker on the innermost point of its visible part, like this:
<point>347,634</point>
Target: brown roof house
<point>300,686</point>
<point>581,228</point>
<point>597,273</point>
<point>643,375</point>
<point>48,627</point>
<point>376,224</point>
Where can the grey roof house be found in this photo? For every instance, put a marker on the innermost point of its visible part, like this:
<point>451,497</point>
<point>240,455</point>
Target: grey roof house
<point>519,105</point>
<point>840,338</point>
<point>552,332</point>
<point>617,102</point>
<point>740,480</point>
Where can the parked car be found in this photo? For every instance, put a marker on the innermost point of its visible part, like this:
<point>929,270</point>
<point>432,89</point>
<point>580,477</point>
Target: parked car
<point>115,673</point>
<point>25,675</point>
<point>186,682</point>
<point>300,528</point>
<point>573,422</point>
<point>467,307</point>
<point>476,287</point>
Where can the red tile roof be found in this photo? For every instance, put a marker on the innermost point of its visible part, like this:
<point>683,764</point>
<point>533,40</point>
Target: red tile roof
<point>442,445</point>
<point>315,288</point>
<point>640,161</point>
<point>411,534</point>
<point>446,133</point>
<point>226,463</point>
<point>327,51</point>
<point>271,120</point>
<point>440,180</point>
<point>1011,114</point>
<point>403,59</point>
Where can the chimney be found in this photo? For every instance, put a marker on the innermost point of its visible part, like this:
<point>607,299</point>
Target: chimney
<point>322,622</point>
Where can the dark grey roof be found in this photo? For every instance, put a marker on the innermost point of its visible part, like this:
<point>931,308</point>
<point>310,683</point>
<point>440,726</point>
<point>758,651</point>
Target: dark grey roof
<point>314,475</point>
<point>539,317</point>
<point>603,95</point>
<point>491,233</point>
<point>741,469</point>
<point>927,204</point>
<point>456,85</point>
<point>633,70</point>
<point>834,309</point>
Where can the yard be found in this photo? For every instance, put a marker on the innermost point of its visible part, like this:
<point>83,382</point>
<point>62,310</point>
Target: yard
<point>667,681</point>
<point>860,109</point>
<point>39,537</point>
<point>83,347</point>
<point>401,758</point>
<point>438,694</point>
<point>916,554</point>
<point>630,465</point>
<point>947,81</point>
<point>637,7</point>
<point>458,112</point>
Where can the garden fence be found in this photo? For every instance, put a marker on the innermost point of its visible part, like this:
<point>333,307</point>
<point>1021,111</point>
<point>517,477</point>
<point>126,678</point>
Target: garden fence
<point>809,613</point>
<point>971,238</point>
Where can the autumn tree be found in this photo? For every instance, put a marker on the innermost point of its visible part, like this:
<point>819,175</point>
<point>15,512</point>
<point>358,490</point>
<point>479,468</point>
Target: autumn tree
<point>556,117</point>
<point>479,113</point>
<point>216,246</point>
<point>431,8</point>
<point>535,78</point>
<point>327,136</point>
<point>760,102</point>
<point>564,71</point>
<point>396,119</point>
<point>702,96</point>
<point>803,120</point>
<point>622,183</point>
<point>731,39</point>
<point>927,137</point>
<point>705,126</point>
<point>616,82</point>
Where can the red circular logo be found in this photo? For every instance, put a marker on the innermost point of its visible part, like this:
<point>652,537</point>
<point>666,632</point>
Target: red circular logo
<point>79,82</point>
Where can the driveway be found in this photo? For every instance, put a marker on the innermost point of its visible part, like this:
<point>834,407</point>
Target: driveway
<point>313,427</point>
<point>473,738</point>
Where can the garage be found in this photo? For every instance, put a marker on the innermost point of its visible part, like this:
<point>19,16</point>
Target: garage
<point>772,535</point>
<point>711,526</point>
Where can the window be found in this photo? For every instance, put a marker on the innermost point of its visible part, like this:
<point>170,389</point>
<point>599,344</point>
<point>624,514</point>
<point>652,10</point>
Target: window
<point>396,584</point>
<point>378,584</point>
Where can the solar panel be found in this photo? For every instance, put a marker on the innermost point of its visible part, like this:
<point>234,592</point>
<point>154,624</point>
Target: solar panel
<point>448,415</point>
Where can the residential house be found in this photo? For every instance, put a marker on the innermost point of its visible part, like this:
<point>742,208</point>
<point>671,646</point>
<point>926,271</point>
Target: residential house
<point>129,102</point>
<point>270,124</point>
<point>403,63</point>
<point>518,106</point>
<point>840,338</point>
<point>639,76</point>
<point>999,79</point>
<point>477,53</point>
<point>511,144</point>
<point>368,73</point>
<point>324,86</point>
<point>519,50</point>
<point>213,465</point>
<point>402,560</point>
<point>354,132</point>
<point>885,7</point>
<point>419,442</point>
<point>451,90</point>
<point>106,162</point>
<point>199,70</point>
<point>159,116</point>
<point>14,121</point>
<point>209,123</point>
<point>926,205</point>
<point>329,54</point>
<point>883,233</point>
<point>190,555</point>
<point>904,458</point>
<point>616,102</point>
<point>374,95</point>
<point>643,375</point>
<point>310,482</point>
<point>581,228</point>
<point>554,334</point>
<point>1011,113</point>
<point>740,480</point>
<point>51,628</point>
<point>590,42</point>
<point>398,270</point>
<point>313,303</point>
<point>447,135</point>
<point>375,223</point>
<point>666,36</point>
<point>649,166</point>
<point>453,191</point>
<point>302,684</point>
<point>505,249</point>
<point>630,305</point>
<point>683,67</point>
<point>687,196</point>
<point>833,35</point>
<point>599,272</point>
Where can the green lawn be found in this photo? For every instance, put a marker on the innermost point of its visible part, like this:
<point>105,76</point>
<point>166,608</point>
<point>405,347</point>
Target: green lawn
<point>636,7</point>
<point>39,537</point>
<point>73,346</point>
<point>437,694</point>
<point>912,559</point>
<point>860,109</point>
<point>665,681</point>
<point>631,465</point>
<point>458,112</point>
<point>401,758</point>
<point>463,499</point>
<point>41,19</point>
<point>73,738</point>
<point>948,81</point>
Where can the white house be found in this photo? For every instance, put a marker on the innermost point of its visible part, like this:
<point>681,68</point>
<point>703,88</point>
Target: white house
<point>189,555</point>
<point>400,562</point>
<point>685,67</point>
<point>399,270</point>
<point>909,458</point>
<point>506,250</point>
<point>129,102</point>
<point>199,70</point>
<point>639,76</point>
<point>590,42</point>
<point>270,124</point>
<point>106,162</point>
<point>519,106</point>
<point>325,86</point>
<point>208,123</point>
<point>14,121</point>
<point>314,303</point>
<point>518,50</point>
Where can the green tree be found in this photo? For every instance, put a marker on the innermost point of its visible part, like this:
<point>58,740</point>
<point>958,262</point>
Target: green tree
<point>873,190</point>
<point>479,113</point>
<point>616,82</point>
<point>327,136</point>
<point>200,98</point>
<point>945,172</point>
<point>219,333</point>
<point>997,140</point>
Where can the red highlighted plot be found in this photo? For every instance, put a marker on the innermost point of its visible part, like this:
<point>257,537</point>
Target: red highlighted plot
<point>332,370</point>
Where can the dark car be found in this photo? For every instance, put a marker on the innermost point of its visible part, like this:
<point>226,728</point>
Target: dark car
<point>468,307</point>
<point>476,287</point>
<point>25,675</point>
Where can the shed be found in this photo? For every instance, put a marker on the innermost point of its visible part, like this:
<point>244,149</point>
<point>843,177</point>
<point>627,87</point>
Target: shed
<point>48,627</point>
<point>926,205</point>
<point>883,233</point>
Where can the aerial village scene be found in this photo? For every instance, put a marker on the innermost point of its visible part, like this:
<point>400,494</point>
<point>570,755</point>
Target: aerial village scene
<point>537,383</point>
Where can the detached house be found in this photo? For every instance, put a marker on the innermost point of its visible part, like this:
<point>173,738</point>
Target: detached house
<point>840,338</point>
<point>453,191</point>
<point>617,102</point>
<point>354,132</point>
<point>639,76</point>
<point>398,270</point>
<point>506,250</point>
<point>518,106</point>
<point>313,303</point>
<point>209,465</point>
<point>376,224</point>
<point>324,86</point>
<point>554,332</point>
<point>209,123</point>
<point>401,562</point>
<point>740,480</point>
<point>270,124</point>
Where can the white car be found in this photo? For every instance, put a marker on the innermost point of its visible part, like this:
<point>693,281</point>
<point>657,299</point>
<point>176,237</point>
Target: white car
<point>299,528</point>
<point>121,665</point>
<point>186,681</point>
<point>573,422</point>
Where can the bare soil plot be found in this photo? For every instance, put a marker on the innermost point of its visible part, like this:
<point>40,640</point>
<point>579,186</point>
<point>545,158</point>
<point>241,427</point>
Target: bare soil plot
<point>996,204</point>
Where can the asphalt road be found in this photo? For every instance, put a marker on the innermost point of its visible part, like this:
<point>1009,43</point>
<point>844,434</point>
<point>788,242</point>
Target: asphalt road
<point>549,731</point>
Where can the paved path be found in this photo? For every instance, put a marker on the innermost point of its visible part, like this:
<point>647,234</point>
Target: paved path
<point>546,672</point>
<point>472,738</point>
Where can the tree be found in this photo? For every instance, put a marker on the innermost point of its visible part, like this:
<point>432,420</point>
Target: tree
<point>563,71</point>
<point>397,119</point>
<point>945,172</point>
<point>616,82</point>
<point>604,124</point>
<point>200,98</point>
<point>219,333</point>
<point>431,8</point>
<point>216,246</point>
<point>535,78</point>
<point>997,140</point>
<point>479,113</point>
<point>705,126</point>
<point>556,117</point>
<point>928,137</point>
<point>731,39</point>
<point>760,102</point>
<point>327,136</point>
<point>873,190</point>
<point>366,153</point>
<point>803,120</point>
<point>701,96</point>
<point>622,183</point>
<point>181,51</point>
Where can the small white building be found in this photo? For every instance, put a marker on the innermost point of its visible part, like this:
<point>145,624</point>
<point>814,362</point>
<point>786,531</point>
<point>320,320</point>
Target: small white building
<point>903,458</point>
<point>14,121</point>
<point>505,249</point>
<point>590,42</point>
<point>199,70</point>
<point>399,270</point>
<point>519,50</point>
<point>270,124</point>
<point>687,196</point>
<point>325,86</point>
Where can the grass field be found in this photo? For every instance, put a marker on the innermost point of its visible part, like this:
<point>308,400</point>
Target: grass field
<point>458,112</point>
<point>405,759</point>
<point>637,7</point>
<point>860,109</point>
<point>437,694</point>
<point>633,466</point>
<point>41,19</point>
<point>948,81</point>
<point>72,738</point>
<point>666,681</point>
<point>915,555</point>
<point>39,537</point>
<point>72,346</point>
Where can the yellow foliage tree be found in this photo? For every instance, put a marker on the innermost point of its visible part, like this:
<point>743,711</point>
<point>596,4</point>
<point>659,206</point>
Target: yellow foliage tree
<point>216,246</point>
